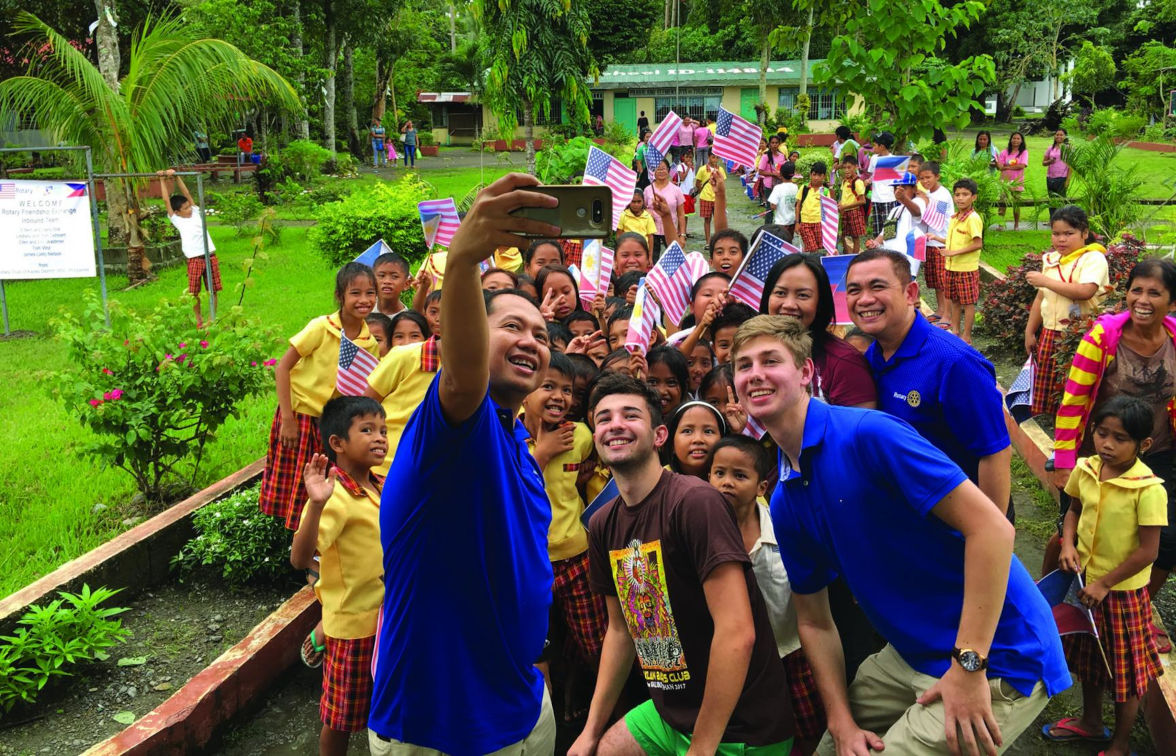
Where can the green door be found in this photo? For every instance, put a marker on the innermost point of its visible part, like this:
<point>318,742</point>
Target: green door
<point>625,113</point>
<point>748,98</point>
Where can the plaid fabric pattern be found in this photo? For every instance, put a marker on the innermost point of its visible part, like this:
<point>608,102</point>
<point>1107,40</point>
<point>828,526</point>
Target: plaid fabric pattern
<point>347,683</point>
<point>853,222</point>
<point>806,701</point>
<point>573,251</point>
<point>810,236</point>
<point>282,492</point>
<point>1122,621</point>
<point>963,287</point>
<point>196,274</point>
<point>431,356</point>
<point>1047,391</point>
<point>934,272</point>
<point>879,211</point>
<point>583,611</point>
<point>706,208</point>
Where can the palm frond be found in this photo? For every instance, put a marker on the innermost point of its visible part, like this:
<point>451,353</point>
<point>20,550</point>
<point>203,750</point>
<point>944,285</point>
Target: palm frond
<point>57,109</point>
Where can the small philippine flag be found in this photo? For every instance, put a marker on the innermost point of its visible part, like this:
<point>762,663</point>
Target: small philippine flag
<point>837,266</point>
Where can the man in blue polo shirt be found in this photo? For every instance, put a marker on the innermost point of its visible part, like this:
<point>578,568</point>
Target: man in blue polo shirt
<point>464,519</point>
<point>926,554</point>
<point>943,387</point>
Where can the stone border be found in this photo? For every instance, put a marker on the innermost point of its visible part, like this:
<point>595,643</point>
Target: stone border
<point>134,560</point>
<point>192,717</point>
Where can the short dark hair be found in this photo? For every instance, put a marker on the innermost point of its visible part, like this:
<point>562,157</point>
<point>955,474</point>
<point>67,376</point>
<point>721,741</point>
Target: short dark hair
<point>557,331</point>
<point>432,297</point>
<point>729,233</point>
<point>1132,412</point>
<point>177,201</point>
<point>560,363</point>
<point>898,261</point>
<point>819,168</point>
<point>617,355</point>
<point>704,278</point>
<point>421,321</point>
<point>619,383</point>
<point>965,183</point>
<point>842,132</point>
<point>514,278</point>
<point>733,314</point>
<point>931,166</point>
<point>577,316</point>
<point>632,278</point>
<point>787,169</point>
<point>391,258</point>
<point>382,320</point>
<point>749,446</point>
<point>1154,267</point>
<point>1075,217</point>
<point>349,273</point>
<point>623,313</point>
<point>529,252</point>
<point>338,414</point>
<point>583,366</point>
<point>724,372</point>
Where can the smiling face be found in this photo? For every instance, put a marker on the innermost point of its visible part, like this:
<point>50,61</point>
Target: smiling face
<point>726,254</point>
<point>795,294</point>
<point>710,290</point>
<point>366,443</point>
<point>878,302</point>
<point>724,339</point>
<point>359,297</point>
<point>631,255</point>
<point>406,332</point>
<point>667,387</point>
<point>564,290</point>
<point>519,351</point>
<point>697,433</point>
<point>699,363</point>
<point>552,401</point>
<point>623,432</point>
<point>767,378</point>
<point>1148,301</point>
<point>661,174</point>
<point>733,473</point>
<point>544,255</point>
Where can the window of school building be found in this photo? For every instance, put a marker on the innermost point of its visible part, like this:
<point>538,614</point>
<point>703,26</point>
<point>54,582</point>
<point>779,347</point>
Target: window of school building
<point>695,102</point>
<point>824,104</point>
<point>552,118</point>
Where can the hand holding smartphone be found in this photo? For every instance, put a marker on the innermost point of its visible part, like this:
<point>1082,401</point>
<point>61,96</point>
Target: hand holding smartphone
<point>584,212</point>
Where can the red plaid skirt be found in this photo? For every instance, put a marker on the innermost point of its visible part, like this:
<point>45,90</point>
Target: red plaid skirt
<point>706,208</point>
<point>282,492</point>
<point>963,287</point>
<point>583,611</point>
<point>1047,393</point>
<point>806,701</point>
<point>853,222</point>
<point>810,236</point>
<point>347,683</point>
<point>934,272</point>
<point>1122,620</point>
<point>196,274</point>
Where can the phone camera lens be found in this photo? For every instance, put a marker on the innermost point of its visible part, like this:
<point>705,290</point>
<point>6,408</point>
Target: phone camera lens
<point>580,212</point>
<point>597,211</point>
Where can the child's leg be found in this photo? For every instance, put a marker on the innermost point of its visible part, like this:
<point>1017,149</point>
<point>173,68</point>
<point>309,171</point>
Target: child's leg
<point>196,308</point>
<point>1016,214</point>
<point>347,691</point>
<point>1092,701</point>
<point>333,742</point>
<point>968,320</point>
<point>1125,714</point>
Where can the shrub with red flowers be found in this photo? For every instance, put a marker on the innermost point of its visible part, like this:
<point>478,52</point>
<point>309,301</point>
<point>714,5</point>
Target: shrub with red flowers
<point>154,388</point>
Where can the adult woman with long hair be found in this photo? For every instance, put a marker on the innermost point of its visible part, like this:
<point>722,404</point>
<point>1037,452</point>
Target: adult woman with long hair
<point>1012,162</point>
<point>984,148</point>
<point>1057,173</point>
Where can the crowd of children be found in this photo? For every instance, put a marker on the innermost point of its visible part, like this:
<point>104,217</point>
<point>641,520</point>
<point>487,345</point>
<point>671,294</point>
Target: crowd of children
<point>328,500</point>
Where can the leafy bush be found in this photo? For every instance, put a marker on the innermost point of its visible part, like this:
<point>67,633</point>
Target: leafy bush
<point>562,161</point>
<point>304,159</point>
<point>960,164</point>
<point>331,191</point>
<point>346,164</point>
<point>383,210</point>
<point>237,540</point>
<point>153,388</point>
<point>238,208</point>
<point>1102,185</point>
<point>1113,123</point>
<point>154,223</point>
<point>70,630</point>
<point>618,142</point>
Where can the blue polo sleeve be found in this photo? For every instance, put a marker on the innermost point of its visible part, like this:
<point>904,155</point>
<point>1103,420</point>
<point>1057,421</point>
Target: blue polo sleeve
<point>905,463</point>
<point>805,555</point>
<point>972,405</point>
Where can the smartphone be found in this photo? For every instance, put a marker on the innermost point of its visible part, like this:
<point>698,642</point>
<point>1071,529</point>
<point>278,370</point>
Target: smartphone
<point>584,212</point>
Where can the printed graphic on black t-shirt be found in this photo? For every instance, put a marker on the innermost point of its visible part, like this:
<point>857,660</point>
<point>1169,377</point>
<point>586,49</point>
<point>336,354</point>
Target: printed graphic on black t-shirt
<point>638,572</point>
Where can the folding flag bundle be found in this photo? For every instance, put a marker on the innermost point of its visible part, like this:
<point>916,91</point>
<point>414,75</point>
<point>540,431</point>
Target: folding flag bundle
<point>605,170</point>
<point>736,139</point>
<point>596,271</point>
<point>837,266</point>
<point>886,169</point>
<point>830,218</point>
<point>1060,590</point>
<point>439,220</point>
<point>747,285</point>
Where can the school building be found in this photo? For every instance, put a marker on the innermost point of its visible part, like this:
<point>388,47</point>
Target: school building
<point>624,91</point>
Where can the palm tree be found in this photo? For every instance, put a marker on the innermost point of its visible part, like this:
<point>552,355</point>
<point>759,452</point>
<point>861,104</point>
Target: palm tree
<point>173,83</point>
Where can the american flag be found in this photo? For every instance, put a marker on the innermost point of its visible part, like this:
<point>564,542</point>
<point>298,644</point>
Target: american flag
<point>748,284</point>
<point>736,138</point>
<point>754,428</point>
<point>646,313</point>
<point>671,290</point>
<point>605,170</point>
<point>439,220</point>
<point>596,272</point>
<point>935,217</point>
<point>830,217</point>
<point>886,169</point>
<point>355,365</point>
<point>661,139</point>
<point>8,190</point>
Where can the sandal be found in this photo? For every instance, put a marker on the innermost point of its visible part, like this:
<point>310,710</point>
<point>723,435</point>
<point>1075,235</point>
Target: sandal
<point>312,652</point>
<point>1067,730</point>
<point>934,318</point>
<point>1163,642</point>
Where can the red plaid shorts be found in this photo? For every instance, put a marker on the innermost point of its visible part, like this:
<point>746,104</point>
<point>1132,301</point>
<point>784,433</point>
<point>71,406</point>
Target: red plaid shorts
<point>583,611</point>
<point>282,492</point>
<point>806,701</point>
<point>1047,392</point>
<point>934,272</point>
<point>347,683</point>
<point>1122,620</point>
<point>963,287</point>
<point>853,222</point>
<point>810,236</point>
<point>706,208</point>
<point>196,274</point>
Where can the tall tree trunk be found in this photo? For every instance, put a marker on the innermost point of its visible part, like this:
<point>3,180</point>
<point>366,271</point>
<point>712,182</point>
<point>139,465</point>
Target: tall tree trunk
<point>302,126</point>
<point>762,109</point>
<point>452,29</point>
<point>331,63</point>
<point>109,60</point>
<point>354,143</point>
<point>392,90</point>
<point>379,102</point>
<point>528,134</point>
<point>669,14</point>
<point>804,53</point>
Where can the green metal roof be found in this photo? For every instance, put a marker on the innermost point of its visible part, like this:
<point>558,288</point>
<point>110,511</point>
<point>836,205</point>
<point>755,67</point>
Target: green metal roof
<point>720,73</point>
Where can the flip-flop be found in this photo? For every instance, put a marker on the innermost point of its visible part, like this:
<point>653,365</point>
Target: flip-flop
<point>1072,733</point>
<point>1163,642</point>
<point>934,318</point>
<point>312,652</point>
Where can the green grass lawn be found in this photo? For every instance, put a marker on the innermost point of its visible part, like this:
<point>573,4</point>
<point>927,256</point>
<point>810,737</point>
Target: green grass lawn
<point>1005,248</point>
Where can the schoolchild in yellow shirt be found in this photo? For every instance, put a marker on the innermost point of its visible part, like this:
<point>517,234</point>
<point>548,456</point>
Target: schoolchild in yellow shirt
<point>399,383</point>
<point>341,523</point>
<point>961,260</point>
<point>637,219</point>
<point>808,209</point>
<point>705,180</point>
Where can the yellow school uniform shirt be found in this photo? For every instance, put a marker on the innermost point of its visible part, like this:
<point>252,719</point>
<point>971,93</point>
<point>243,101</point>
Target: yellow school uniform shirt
<point>852,191</point>
<point>641,224</point>
<point>810,208</point>
<point>702,178</point>
<point>403,378</point>
<point>312,379</point>
<point>1084,265</point>
<point>962,231</point>
<point>435,265</point>
<point>351,574</point>
<point>1112,513</point>
<point>508,258</point>
<point>566,537</point>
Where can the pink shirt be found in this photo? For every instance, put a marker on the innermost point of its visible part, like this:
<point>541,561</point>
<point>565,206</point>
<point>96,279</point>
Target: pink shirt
<point>701,135</point>
<point>1058,168</point>
<point>673,197</point>
<point>686,135</point>
<point>777,161</point>
<point>1016,175</point>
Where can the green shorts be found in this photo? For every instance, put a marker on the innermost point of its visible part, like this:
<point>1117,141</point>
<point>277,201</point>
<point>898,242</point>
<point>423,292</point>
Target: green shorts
<point>657,738</point>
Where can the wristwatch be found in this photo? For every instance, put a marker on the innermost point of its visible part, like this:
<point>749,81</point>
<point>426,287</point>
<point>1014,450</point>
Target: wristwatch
<point>969,659</point>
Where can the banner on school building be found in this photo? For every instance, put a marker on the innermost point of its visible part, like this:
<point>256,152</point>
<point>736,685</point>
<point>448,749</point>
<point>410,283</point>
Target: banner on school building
<point>46,230</point>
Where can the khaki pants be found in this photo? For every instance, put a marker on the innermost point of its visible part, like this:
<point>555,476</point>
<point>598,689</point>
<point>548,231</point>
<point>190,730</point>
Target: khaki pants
<point>883,700</point>
<point>541,741</point>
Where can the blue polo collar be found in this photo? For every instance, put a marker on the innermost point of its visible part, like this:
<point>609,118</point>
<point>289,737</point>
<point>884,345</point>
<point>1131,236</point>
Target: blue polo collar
<point>816,421</point>
<point>916,337</point>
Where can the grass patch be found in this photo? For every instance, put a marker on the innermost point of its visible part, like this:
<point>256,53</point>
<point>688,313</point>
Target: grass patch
<point>1005,248</point>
